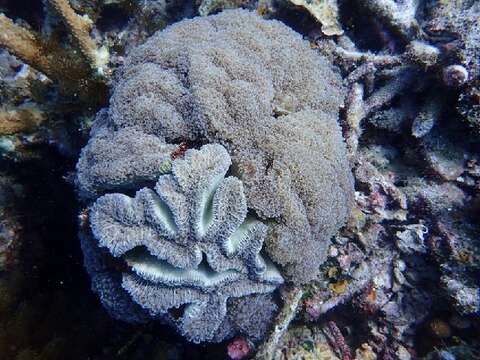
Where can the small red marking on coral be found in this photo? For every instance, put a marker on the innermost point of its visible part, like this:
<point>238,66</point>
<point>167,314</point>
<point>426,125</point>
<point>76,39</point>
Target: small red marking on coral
<point>238,348</point>
<point>180,151</point>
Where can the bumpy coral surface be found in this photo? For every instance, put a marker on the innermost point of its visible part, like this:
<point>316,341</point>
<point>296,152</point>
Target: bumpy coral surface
<point>189,243</point>
<point>257,88</point>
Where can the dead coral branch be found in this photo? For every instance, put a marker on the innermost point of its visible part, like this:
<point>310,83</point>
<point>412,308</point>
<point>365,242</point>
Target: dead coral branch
<point>384,95</point>
<point>358,56</point>
<point>292,299</point>
<point>355,112</point>
<point>357,108</point>
<point>79,27</point>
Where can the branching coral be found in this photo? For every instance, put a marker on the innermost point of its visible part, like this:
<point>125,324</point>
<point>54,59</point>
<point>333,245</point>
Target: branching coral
<point>76,76</point>
<point>358,108</point>
<point>190,243</point>
<point>257,88</point>
<point>79,28</point>
<point>24,44</point>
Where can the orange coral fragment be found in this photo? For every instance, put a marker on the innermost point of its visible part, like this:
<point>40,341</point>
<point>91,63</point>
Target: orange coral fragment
<point>20,120</point>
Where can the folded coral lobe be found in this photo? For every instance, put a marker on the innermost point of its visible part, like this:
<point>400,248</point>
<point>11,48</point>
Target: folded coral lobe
<point>187,244</point>
<point>223,221</point>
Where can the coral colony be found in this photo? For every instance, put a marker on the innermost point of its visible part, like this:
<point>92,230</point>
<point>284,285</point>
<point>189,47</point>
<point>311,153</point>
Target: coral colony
<point>190,242</point>
<point>192,236</point>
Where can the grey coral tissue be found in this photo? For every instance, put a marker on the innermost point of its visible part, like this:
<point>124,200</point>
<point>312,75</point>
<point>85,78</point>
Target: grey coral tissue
<point>256,87</point>
<point>254,202</point>
<point>190,243</point>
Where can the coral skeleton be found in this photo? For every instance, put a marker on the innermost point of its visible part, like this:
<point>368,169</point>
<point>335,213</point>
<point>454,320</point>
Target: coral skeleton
<point>352,55</point>
<point>191,242</point>
<point>292,301</point>
<point>325,12</point>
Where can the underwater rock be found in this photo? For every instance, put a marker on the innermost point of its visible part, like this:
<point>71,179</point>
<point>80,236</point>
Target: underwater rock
<point>451,241</point>
<point>443,156</point>
<point>466,299</point>
<point>190,243</point>
<point>257,88</point>
<point>411,238</point>
<point>469,106</point>
<point>434,199</point>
